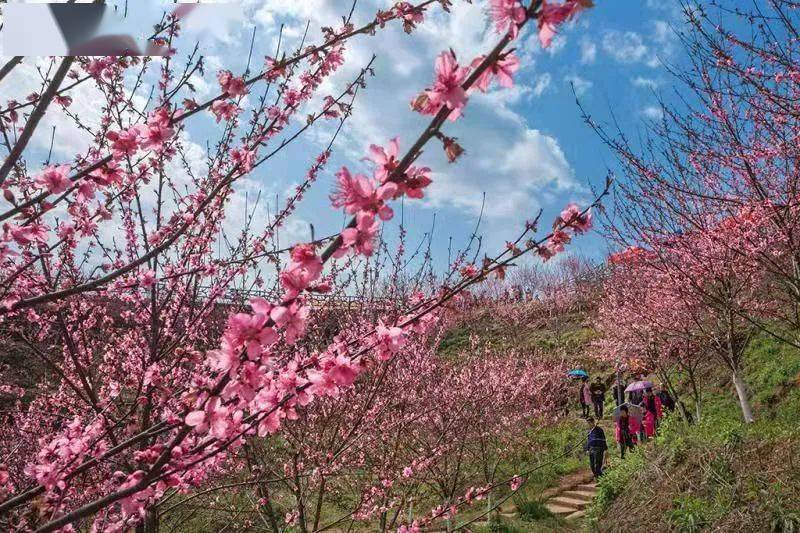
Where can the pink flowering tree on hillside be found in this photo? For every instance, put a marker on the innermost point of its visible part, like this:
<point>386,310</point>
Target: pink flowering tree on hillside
<point>729,151</point>
<point>690,288</point>
<point>643,325</point>
<point>398,439</point>
<point>157,373</point>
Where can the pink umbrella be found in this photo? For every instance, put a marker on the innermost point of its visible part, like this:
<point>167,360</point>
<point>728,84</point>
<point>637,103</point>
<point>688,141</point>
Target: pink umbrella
<point>639,385</point>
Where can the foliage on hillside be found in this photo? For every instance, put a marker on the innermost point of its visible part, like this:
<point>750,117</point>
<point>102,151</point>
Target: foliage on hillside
<point>529,331</point>
<point>719,474</point>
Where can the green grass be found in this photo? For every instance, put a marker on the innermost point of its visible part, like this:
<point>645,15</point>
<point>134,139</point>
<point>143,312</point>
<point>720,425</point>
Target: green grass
<point>531,511</point>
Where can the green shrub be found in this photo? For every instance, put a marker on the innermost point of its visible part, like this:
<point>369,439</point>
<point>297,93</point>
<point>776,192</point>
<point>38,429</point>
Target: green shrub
<point>784,521</point>
<point>614,481</point>
<point>531,511</point>
<point>689,514</point>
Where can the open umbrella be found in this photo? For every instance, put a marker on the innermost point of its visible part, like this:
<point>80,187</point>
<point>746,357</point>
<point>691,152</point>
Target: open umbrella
<point>634,411</point>
<point>578,373</point>
<point>639,385</point>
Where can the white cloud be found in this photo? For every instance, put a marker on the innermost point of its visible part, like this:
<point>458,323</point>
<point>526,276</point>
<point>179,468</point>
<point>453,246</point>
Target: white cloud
<point>646,83</point>
<point>542,84</point>
<point>625,47</point>
<point>653,112</point>
<point>580,85</point>
<point>531,170</point>
<point>558,43</point>
<point>630,47</point>
<point>588,51</point>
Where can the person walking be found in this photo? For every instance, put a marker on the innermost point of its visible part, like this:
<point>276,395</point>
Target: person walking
<point>626,429</point>
<point>596,446</point>
<point>598,392</point>
<point>666,400</point>
<point>584,396</point>
<point>652,412</point>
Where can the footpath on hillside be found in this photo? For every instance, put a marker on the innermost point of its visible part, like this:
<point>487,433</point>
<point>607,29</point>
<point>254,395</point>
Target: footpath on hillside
<point>573,494</point>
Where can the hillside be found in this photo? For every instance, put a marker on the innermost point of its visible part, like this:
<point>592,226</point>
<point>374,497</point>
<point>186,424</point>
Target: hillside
<point>718,474</point>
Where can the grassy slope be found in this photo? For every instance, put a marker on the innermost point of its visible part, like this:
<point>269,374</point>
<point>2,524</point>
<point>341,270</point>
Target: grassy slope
<point>719,474</point>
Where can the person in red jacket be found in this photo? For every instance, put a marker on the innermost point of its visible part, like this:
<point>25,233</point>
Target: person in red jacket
<point>651,404</point>
<point>626,430</point>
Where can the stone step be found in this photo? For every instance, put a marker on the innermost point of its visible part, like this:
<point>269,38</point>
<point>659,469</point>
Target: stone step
<point>559,509</point>
<point>549,493</point>
<point>585,495</point>
<point>587,486</point>
<point>576,515</point>
<point>510,516</point>
<point>565,501</point>
<point>508,508</point>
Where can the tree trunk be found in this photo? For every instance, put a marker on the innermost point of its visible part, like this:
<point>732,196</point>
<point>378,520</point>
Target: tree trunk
<point>150,523</point>
<point>744,400</point>
<point>676,398</point>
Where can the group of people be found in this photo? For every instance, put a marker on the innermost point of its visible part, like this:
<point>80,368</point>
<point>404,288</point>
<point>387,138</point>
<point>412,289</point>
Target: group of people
<point>636,420</point>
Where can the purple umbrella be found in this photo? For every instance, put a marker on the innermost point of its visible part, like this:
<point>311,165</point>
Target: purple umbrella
<point>639,385</point>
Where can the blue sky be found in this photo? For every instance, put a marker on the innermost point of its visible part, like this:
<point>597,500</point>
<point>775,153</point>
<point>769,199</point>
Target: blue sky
<point>526,148</point>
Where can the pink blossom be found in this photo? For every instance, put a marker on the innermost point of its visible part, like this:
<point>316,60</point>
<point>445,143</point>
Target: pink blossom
<point>147,279</point>
<point>157,131</point>
<point>330,108</point>
<point>124,143</point>
<point>250,332</point>
<point>411,16</point>
<point>28,234</point>
<point>54,178</point>
<point>502,70</point>
<point>224,110</point>
<point>413,528</point>
<point>571,216</point>
<point>63,100</point>
<point>214,417</point>
<point>243,158</point>
<point>507,16</point>
<point>417,179</point>
<point>408,471</point>
<point>390,340</point>
<point>552,15</point>
<point>385,159</point>
<point>305,268</point>
<point>274,69</point>
<point>291,318</point>
<point>109,174</point>
<point>230,84</point>
<point>516,483</point>
<point>362,236</point>
<point>85,191</point>
<point>447,89</point>
<point>343,371</point>
<point>359,194</point>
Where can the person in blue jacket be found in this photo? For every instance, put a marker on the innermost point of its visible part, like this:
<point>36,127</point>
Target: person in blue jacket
<point>596,446</point>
